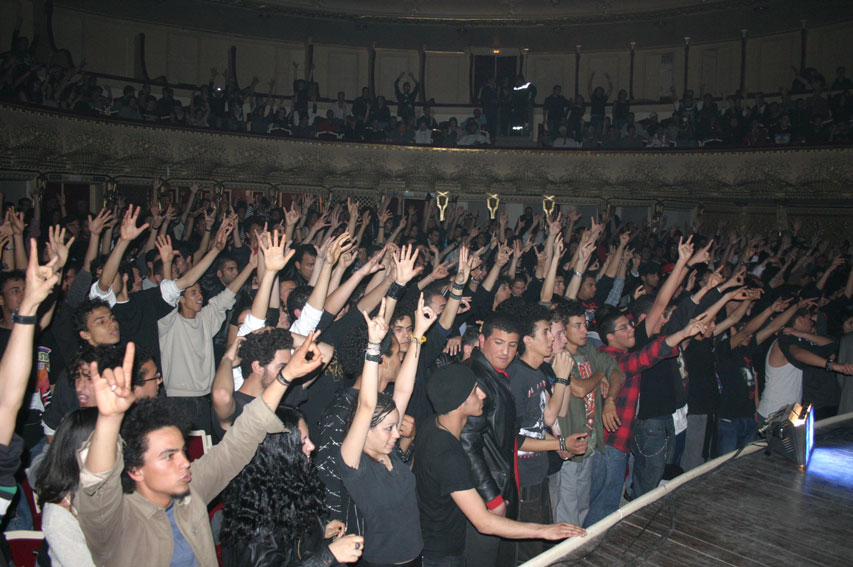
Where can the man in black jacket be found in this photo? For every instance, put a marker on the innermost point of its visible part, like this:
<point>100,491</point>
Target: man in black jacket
<point>489,439</point>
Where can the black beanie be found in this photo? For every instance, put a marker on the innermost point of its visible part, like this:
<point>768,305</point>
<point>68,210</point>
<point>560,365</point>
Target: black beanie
<point>450,386</point>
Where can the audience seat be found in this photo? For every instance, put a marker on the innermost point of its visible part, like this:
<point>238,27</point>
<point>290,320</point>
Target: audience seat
<point>24,545</point>
<point>198,442</point>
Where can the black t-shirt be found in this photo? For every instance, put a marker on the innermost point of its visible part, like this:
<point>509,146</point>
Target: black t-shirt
<point>441,468</point>
<point>703,394</point>
<point>657,388</point>
<point>389,502</point>
<point>137,319</point>
<point>737,377</point>
<point>597,104</point>
<point>294,396</point>
<point>63,401</point>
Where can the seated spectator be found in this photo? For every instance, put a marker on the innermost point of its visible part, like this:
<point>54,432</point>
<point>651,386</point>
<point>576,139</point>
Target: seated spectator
<point>400,134</point>
<point>423,135</point>
<point>472,137</point>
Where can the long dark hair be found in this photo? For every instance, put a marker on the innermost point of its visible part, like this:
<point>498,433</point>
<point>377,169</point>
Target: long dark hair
<point>278,494</point>
<point>59,472</point>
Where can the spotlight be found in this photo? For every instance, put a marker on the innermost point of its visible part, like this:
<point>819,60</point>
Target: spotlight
<point>790,432</point>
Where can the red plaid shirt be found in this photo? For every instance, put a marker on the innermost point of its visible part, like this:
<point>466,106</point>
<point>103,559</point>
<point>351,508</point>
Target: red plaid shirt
<point>632,365</point>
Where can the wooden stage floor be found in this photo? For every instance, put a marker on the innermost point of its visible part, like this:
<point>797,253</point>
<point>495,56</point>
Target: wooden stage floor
<point>756,510</point>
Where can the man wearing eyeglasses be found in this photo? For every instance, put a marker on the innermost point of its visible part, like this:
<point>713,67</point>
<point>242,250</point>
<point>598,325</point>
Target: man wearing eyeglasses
<point>617,332</point>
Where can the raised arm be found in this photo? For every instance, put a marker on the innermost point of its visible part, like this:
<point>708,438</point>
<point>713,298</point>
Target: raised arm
<point>96,227</point>
<point>16,364</point>
<point>667,290</point>
<point>338,298</point>
<point>404,385</point>
<point>353,444</point>
<point>222,392</point>
<point>195,273</point>
<point>129,232</point>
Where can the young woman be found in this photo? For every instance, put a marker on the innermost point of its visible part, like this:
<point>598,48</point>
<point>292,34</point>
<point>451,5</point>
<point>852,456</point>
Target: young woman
<point>56,482</point>
<point>273,514</point>
<point>375,477</point>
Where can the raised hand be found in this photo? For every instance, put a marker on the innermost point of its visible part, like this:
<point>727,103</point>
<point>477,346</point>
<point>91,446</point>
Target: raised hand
<point>424,318</point>
<point>405,259</point>
<point>129,230</point>
<point>697,325</point>
<point>377,328</point>
<point>292,215</point>
<point>685,248</point>
<point>374,264</point>
<point>113,387</point>
<point>40,280</point>
<point>340,245</point>
<point>222,235</point>
<point>97,224</point>
<point>57,246</point>
<point>702,256</point>
<point>16,222</point>
<point>737,278</point>
<point>503,255</point>
<point>273,248</point>
<point>305,360</point>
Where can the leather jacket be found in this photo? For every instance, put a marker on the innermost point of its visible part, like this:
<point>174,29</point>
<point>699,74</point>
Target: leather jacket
<point>489,439</point>
<point>308,551</point>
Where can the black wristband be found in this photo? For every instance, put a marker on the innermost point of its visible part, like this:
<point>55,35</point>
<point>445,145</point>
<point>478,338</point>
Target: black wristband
<point>456,296</point>
<point>282,380</point>
<point>377,358</point>
<point>563,381</point>
<point>457,286</point>
<point>396,291</point>
<point>24,319</point>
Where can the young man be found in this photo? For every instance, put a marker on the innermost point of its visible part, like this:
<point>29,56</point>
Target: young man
<point>609,464</point>
<point>535,411</point>
<point>446,492</point>
<point>160,518</point>
<point>587,412</point>
<point>489,439</point>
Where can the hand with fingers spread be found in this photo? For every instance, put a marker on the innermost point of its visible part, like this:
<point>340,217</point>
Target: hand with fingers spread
<point>374,264</point>
<point>503,254</point>
<point>101,220</point>
<point>57,246</point>
<point>16,222</point>
<point>129,230</point>
<point>340,245</point>
<point>164,247</point>
<point>405,260</point>
<point>273,248</point>
<point>736,280</point>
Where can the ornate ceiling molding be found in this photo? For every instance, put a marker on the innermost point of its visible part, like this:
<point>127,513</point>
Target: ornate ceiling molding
<point>34,142</point>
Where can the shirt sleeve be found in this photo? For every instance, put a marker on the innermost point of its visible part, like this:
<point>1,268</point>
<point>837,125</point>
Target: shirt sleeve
<point>307,322</point>
<point>250,325</point>
<point>109,296</point>
<point>169,292</point>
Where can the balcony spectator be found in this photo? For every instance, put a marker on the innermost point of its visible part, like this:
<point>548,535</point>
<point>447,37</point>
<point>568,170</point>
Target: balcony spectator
<point>522,100</point>
<point>504,105</point>
<point>380,112</point>
<point>555,106</point>
<point>756,136</point>
<point>576,114</point>
<point>488,99</point>
<point>423,135</point>
<point>598,102</point>
<point>406,97</point>
<point>166,105</point>
<point>632,139</point>
<point>563,140</point>
<point>429,114</point>
<point>340,107</point>
<point>472,137</point>
<point>361,105</point>
<point>621,109</point>
<point>400,134</point>
<point>842,82</point>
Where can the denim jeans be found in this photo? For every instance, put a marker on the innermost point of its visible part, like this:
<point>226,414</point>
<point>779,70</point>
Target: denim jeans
<point>734,433</point>
<point>652,444</point>
<point>608,477</point>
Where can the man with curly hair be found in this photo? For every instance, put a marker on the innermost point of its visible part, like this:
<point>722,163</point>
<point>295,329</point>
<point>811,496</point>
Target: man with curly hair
<point>138,503</point>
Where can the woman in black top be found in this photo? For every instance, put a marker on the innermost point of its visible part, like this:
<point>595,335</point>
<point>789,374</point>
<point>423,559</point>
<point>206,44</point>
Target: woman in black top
<point>273,514</point>
<point>381,485</point>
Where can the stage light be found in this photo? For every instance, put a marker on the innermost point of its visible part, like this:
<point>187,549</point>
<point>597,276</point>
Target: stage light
<point>790,432</point>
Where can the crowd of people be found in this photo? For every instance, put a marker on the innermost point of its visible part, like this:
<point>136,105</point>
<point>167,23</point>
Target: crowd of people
<point>811,111</point>
<point>385,382</point>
